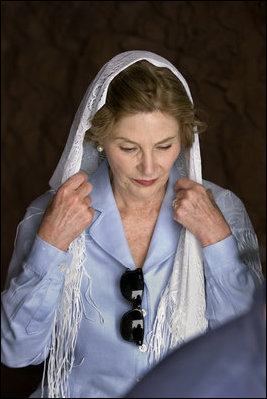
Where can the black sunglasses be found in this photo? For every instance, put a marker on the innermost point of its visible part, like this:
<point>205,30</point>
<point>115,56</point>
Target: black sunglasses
<point>132,322</point>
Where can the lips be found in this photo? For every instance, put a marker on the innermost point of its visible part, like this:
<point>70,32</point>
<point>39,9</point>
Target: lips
<point>145,182</point>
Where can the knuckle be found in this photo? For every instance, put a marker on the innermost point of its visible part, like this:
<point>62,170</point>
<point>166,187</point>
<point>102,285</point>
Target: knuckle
<point>183,206</point>
<point>180,208</point>
<point>79,176</point>
<point>62,191</point>
<point>75,200</point>
<point>83,174</point>
<point>180,194</point>
<point>190,195</point>
<point>87,200</point>
<point>76,179</point>
<point>202,190</point>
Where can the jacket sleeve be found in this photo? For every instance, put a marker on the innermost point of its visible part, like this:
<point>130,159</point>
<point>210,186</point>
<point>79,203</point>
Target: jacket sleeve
<point>232,266</point>
<point>35,278</point>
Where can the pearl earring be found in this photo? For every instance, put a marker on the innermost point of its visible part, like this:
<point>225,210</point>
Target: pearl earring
<point>100,148</point>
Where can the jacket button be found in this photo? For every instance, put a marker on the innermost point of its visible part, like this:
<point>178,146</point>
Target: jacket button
<point>143,348</point>
<point>62,266</point>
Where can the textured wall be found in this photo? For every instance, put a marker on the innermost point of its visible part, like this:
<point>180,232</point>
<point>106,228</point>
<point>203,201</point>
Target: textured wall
<point>51,50</point>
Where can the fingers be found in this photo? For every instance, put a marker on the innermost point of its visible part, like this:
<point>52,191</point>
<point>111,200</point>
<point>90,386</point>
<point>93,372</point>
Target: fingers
<point>84,189</point>
<point>189,188</point>
<point>92,212</point>
<point>184,184</point>
<point>179,196</point>
<point>191,194</point>
<point>88,201</point>
<point>195,208</point>
<point>186,189</point>
<point>77,184</point>
<point>75,181</point>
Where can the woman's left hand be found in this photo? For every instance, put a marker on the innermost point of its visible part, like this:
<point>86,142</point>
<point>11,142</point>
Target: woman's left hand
<point>195,208</point>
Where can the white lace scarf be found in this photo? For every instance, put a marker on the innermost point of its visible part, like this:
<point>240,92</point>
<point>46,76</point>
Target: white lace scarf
<point>181,311</point>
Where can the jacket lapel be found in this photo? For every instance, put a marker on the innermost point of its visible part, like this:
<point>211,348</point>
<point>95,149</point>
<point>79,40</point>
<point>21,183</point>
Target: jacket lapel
<point>107,229</point>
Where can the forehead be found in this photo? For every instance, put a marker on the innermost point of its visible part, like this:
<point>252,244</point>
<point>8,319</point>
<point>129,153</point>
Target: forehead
<point>144,124</point>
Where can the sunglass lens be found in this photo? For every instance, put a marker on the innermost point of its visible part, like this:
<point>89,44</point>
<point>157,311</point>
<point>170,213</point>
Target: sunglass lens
<point>132,326</point>
<point>132,286</point>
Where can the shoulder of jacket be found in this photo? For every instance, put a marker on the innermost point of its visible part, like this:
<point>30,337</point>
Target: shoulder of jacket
<point>223,195</point>
<point>40,203</point>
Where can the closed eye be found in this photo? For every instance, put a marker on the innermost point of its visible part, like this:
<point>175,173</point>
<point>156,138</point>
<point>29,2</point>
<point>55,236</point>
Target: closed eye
<point>127,149</point>
<point>164,147</point>
<point>131,149</point>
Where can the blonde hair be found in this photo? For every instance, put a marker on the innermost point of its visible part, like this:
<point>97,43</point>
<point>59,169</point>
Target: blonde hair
<point>143,87</point>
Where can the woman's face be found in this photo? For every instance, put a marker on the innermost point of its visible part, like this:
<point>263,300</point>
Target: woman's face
<point>141,151</point>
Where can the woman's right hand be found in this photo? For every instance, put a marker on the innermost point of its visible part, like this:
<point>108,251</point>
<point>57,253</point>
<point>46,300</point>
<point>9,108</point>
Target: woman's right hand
<point>68,213</point>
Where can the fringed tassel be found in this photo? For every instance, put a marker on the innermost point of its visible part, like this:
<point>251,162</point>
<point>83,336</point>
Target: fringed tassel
<point>181,311</point>
<point>67,320</point>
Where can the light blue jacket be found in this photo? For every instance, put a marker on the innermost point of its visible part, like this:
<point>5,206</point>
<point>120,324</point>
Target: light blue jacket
<point>105,364</point>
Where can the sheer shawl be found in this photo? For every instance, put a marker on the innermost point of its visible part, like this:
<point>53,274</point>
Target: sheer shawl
<point>181,311</point>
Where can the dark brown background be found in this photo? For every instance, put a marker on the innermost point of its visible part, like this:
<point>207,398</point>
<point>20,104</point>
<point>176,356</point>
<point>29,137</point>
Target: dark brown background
<point>51,50</point>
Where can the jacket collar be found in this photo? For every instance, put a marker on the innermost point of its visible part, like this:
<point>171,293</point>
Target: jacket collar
<point>107,229</point>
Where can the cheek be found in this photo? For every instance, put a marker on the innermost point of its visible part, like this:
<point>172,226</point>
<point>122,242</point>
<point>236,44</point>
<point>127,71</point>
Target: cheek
<point>176,150</point>
<point>118,164</point>
<point>173,156</point>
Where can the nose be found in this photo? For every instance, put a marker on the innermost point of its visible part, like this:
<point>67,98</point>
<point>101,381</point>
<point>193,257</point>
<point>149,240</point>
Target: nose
<point>147,164</point>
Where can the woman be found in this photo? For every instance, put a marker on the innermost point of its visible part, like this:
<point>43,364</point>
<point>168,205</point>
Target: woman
<point>129,254</point>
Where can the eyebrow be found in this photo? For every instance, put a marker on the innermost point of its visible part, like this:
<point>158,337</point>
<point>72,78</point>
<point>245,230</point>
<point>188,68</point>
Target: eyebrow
<point>133,142</point>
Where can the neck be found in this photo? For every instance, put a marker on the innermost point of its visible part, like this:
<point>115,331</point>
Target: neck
<point>128,203</point>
